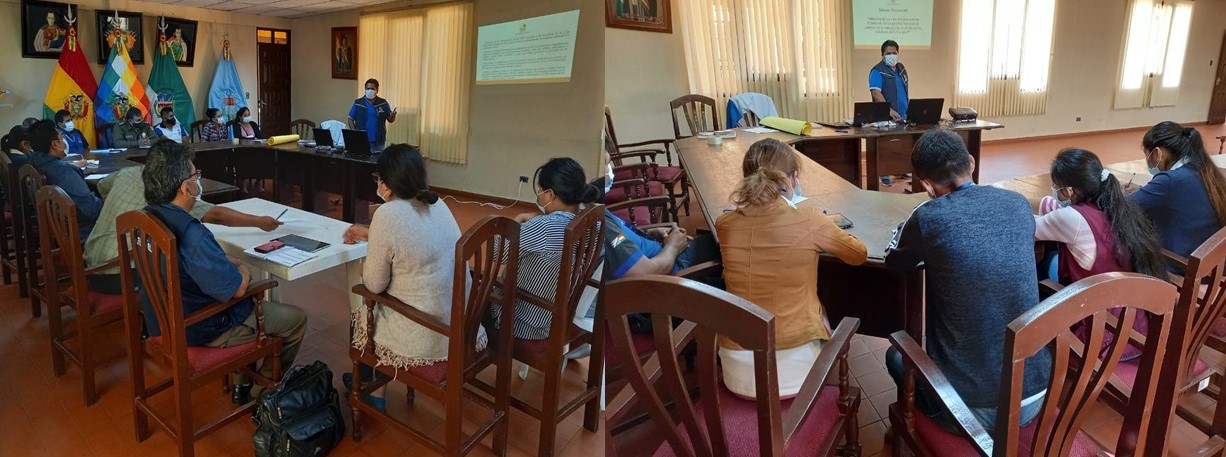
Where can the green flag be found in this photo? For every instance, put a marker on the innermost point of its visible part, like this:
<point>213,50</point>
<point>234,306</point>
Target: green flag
<point>166,87</point>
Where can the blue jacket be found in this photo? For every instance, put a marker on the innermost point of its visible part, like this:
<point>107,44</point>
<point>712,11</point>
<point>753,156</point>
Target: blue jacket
<point>77,144</point>
<point>887,80</point>
<point>72,180</point>
<point>1178,204</point>
<point>364,119</point>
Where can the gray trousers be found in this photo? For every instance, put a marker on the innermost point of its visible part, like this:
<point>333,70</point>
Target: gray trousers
<point>280,320</point>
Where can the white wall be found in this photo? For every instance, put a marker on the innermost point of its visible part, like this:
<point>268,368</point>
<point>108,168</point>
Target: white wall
<point>27,78</point>
<point>1087,47</point>
<point>316,96</point>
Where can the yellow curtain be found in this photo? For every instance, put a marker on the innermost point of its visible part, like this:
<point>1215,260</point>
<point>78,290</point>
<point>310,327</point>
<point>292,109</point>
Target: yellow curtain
<point>423,61</point>
<point>795,51</point>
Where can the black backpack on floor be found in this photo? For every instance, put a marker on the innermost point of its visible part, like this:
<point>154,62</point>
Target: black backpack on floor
<point>301,417</point>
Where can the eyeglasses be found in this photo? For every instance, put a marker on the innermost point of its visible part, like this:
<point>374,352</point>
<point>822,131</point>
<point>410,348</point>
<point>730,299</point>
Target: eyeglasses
<point>195,175</point>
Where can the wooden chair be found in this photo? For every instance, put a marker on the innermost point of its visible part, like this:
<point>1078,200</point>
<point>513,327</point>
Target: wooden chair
<point>645,212</point>
<point>156,261</point>
<point>196,129</point>
<point>305,129</point>
<point>11,255</point>
<point>697,111</point>
<point>104,135</point>
<point>1073,386</point>
<point>478,255</point>
<point>584,239</point>
<point>29,180</point>
<point>668,175</point>
<point>719,423</point>
<point>61,250</point>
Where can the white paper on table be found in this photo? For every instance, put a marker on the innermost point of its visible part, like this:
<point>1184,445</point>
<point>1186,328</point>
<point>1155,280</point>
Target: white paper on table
<point>105,151</point>
<point>96,176</point>
<point>760,130</point>
<point>286,256</point>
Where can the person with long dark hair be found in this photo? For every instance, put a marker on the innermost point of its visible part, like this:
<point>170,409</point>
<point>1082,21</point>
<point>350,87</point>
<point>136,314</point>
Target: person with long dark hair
<point>215,128</point>
<point>1098,229</point>
<point>562,190</point>
<point>1186,199</point>
<point>245,126</point>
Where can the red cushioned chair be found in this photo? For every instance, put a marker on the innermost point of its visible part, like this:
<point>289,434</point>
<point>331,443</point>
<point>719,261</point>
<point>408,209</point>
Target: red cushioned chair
<point>60,243</point>
<point>669,175</point>
<point>820,420</point>
<point>1056,431</point>
<point>156,262</point>
<point>478,255</point>
<point>644,213</point>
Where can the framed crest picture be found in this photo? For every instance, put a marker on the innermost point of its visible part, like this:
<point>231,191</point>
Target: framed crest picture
<point>120,27</point>
<point>647,15</point>
<point>344,52</point>
<point>181,39</point>
<point>44,29</point>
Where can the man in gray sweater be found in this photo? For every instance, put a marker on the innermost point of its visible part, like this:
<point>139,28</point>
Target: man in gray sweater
<point>976,244</point>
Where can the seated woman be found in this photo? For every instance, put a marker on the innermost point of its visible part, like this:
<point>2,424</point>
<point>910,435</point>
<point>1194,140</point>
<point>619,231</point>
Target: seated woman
<point>562,191</point>
<point>245,127</point>
<point>410,256</point>
<point>1098,229</point>
<point>215,128</point>
<point>770,250</point>
<point>1186,199</point>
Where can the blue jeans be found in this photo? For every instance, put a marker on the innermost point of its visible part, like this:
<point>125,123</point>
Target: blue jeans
<point>932,408</point>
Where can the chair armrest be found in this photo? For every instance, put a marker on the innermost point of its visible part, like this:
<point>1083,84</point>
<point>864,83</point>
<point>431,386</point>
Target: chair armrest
<point>1048,287</point>
<point>660,200</point>
<point>105,266</point>
<point>1175,258</point>
<point>401,308</point>
<point>833,354</point>
<point>917,363</point>
<point>642,155</point>
<point>253,289</point>
<point>665,143</point>
<point>709,268</point>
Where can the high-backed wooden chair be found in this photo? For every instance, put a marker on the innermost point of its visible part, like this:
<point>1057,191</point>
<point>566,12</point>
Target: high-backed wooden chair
<point>697,111</point>
<point>11,255</point>
<point>304,128</point>
<point>62,256</point>
<point>150,247</point>
<point>478,259</point>
<point>196,128</point>
<point>644,212</point>
<point>820,420</point>
<point>667,174</point>
<point>104,135</point>
<point>29,180</point>
<point>583,241</point>
<point>1074,384</point>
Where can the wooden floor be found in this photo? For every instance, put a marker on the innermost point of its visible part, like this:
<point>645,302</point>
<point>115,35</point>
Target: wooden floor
<point>1000,161</point>
<point>41,415</point>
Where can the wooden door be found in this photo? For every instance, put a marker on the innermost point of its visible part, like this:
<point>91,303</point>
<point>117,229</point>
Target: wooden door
<point>1217,107</point>
<point>274,68</point>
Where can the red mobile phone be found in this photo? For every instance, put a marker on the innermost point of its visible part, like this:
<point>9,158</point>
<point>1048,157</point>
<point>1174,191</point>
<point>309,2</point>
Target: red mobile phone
<point>269,247</point>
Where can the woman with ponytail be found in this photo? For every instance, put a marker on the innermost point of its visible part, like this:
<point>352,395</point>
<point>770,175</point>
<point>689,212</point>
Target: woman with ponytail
<point>1186,199</point>
<point>562,190</point>
<point>1098,229</point>
<point>770,250</point>
<point>410,255</point>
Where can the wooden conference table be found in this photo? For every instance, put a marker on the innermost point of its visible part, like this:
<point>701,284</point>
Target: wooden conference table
<point>885,302</point>
<point>312,171</point>
<point>110,163</point>
<point>886,151</point>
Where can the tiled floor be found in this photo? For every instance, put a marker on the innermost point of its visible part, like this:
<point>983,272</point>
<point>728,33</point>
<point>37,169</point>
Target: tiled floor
<point>41,415</point>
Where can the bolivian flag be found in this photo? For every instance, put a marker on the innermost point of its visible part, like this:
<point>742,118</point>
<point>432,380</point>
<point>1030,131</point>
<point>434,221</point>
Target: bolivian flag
<point>72,86</point>
<point>119,88</point>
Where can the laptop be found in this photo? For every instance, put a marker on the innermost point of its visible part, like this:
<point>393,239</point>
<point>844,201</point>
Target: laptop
<point>870,112</point>
<point>925,111</point>
<point>323,137</point>
<point>356,142</point>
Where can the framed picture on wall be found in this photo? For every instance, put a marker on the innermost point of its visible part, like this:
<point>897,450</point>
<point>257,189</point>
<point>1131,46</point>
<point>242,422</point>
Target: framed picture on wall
<point>181,39</point>
<point>44,29</point>
<point>344,53</point>
<point>647,15</point>
<point>122,27</point>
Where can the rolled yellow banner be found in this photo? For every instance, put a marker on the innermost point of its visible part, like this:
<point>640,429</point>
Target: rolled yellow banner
<point>792,126</point>
<point>282,139</point>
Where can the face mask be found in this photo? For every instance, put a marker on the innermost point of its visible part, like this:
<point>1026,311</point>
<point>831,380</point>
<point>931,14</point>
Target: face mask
<point>380,194</point>
<point>221,120</point>
<point>608,182</point>
<point>169,121</point>
<point>797,196</point>
<point>247,119</point>
<point>68,126</point>
<point>370,93</point>
<point>891,59</point>
<point>199,189</point>
<point>1055,193</point>
<point>538,202</point>
<point>137,121</point>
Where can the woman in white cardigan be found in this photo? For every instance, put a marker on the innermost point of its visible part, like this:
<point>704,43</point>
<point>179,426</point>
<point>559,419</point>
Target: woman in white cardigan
<point>410,255</point>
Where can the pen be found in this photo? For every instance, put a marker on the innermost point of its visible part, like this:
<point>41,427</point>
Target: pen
<point>1134,176</point>
<point>282,213</point>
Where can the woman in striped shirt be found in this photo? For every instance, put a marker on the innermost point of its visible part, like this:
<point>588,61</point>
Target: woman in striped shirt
<point>561,191</point>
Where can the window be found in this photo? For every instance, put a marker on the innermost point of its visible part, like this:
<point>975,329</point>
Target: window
<point>1004,56</point>
<point>1154,49</point>
<point>272,36</point>
<point>425,75</point>
<point>794,51</point>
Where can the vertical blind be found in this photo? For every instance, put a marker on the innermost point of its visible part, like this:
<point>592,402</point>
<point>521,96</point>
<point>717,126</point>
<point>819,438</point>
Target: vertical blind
<point>794,51</point>
<point>423,61</point>
<point>1004,56</point>
<point>1155,45</point>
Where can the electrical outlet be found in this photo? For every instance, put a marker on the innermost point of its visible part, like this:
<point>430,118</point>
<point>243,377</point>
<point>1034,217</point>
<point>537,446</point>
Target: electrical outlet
<point>1078,118</point>
<point>523,179</point>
